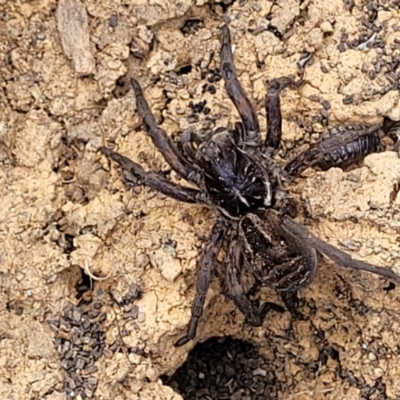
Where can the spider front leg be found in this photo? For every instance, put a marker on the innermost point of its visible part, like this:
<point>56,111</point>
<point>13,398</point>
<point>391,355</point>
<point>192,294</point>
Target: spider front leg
<point>237,94</point>
<point>292,304</point>
<point>206,266</point>
<point>253,313</point>
<point>154,180</point>
<point>339,257</point>
<point>190,139</point>
<point>273,113</point>
<point>160,138</point>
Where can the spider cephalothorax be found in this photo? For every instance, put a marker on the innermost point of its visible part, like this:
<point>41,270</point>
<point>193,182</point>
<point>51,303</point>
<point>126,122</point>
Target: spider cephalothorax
<point>235,174</point>
<point>234,180</point>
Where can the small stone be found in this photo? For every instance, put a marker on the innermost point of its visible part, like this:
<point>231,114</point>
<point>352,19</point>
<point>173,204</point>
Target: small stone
<point>141,317</point>
<point>169,266</point>
<point>317,127</point>
<point>133,291</point>
<point>76,315</point>
<point>326,104</point>
<point>260,372</point>
<point>256,7</point>
<point>326,27</point>
<point>113,22</point>
<point>134,312</point>
<point>116,295</point>
<point>348,99</point>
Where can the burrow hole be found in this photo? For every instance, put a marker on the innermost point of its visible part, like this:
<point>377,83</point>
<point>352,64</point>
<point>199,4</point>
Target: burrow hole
<point>222,369</point>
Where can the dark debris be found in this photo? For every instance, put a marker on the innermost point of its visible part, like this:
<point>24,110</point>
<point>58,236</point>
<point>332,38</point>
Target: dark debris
<point>81,339</point>
<point>80,342</point>
<point>224,368</point>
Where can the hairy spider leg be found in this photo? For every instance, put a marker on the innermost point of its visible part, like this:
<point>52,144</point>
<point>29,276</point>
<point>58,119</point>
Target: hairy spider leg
<point>188,138</point>
<point>292,304</point>
<point>339,257</point>
<point>206,265</point>
<point>154,180</point>
<point>273,113</point>
<point>253,313</point>
<point>160,138</point>
<point>237,94</point>
<point>339,150</point>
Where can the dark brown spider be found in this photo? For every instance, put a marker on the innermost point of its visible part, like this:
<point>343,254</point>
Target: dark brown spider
<point>235,173</point>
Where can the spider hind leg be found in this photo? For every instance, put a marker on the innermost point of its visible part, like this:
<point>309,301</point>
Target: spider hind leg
<point>206,265</point>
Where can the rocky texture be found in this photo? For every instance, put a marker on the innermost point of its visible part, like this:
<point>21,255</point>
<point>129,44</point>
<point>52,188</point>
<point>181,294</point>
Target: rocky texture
<point>65,209</point>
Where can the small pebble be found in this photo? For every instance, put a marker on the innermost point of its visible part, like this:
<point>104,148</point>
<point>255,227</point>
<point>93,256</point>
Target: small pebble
<point>260,372</point>
<point>326,104</point>
<point>326,27</point>
<point>117,297</point>
<point>113,22</point>
<point>141,317</point>
<point>348,100</point>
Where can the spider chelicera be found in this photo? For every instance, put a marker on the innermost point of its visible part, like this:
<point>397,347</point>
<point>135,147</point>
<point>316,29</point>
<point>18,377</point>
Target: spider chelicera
<point>235,172</point>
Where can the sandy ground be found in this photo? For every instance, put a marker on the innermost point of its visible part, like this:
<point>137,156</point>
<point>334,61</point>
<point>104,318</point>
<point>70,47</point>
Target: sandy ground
<point>64,208</point>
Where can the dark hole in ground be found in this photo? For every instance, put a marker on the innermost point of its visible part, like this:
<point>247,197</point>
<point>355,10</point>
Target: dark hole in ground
<point>191,26</point>
<point>224,368</point>
<point>83,285</point>
<point>184,70</point>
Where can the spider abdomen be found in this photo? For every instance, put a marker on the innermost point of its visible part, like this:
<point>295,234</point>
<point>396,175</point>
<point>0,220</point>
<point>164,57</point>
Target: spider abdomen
<point>277,259</point>
<point>339,148</point>
<point>352,151</point>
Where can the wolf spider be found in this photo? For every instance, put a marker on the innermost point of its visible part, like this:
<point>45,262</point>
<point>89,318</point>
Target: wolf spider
<point>235,173</point>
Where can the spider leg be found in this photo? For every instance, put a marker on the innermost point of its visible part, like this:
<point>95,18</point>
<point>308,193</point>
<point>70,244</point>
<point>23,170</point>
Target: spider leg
<point>206,266</point>
<point>336,255</point>
<point>137,175</point>
<point>292,304</point>
<point>160,138</point>
<point>273,113</point>
<point>237,94</point>
<point>340,150</point>
<point>189,138</point>
<point>254,313</point>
